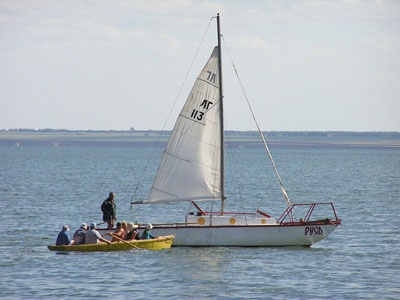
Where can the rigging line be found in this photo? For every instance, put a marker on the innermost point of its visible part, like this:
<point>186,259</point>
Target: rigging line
<point>237,185</point>
<point>258,127</point>
<point>187,75</point>
<point>174,104</point>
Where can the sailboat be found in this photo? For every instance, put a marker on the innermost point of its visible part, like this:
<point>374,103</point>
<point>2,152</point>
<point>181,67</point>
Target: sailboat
<point>192,170</point>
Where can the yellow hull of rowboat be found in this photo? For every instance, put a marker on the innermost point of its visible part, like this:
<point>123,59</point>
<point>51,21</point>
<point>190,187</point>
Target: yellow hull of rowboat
<point>159,243</point>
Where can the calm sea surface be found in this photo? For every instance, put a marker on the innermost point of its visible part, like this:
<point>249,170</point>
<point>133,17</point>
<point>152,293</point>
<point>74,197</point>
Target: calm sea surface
<point>43,187</point>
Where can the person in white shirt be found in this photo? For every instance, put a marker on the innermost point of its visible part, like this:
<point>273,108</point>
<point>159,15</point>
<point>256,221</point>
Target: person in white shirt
<point>92,236</point>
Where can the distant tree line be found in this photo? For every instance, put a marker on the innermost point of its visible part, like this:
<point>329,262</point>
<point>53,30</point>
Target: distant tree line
<point>52,130</point>
<point>388,134</point>
<point>391,134</point>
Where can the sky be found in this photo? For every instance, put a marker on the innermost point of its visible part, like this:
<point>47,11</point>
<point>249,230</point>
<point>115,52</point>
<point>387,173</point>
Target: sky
<point>119,64</point>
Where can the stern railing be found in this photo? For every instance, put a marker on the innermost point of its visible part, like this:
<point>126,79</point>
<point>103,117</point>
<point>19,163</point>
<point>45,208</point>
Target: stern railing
<point>290,212</point>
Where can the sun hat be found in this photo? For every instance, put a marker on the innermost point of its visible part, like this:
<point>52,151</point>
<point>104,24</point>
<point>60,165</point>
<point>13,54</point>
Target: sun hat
<point>92,225</point>
<point>83,226</point>
<point>149,226</point>
<point>132,226</point>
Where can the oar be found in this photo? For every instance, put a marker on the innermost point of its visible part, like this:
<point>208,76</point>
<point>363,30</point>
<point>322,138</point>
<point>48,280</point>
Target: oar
<point>121,240</point>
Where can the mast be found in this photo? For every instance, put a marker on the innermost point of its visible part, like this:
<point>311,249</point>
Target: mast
<point>221,115</point>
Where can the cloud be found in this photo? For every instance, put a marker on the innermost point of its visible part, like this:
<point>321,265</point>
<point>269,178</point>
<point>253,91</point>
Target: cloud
<point>255,42</point>
<point>388,43</point>
<point>81,56</point>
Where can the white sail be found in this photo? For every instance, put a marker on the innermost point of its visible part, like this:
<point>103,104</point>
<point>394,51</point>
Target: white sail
<point>190,168</point>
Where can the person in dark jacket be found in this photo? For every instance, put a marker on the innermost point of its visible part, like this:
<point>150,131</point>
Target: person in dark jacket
<point>109,209</point>
<point>79,235</point>
<point>63,237</point>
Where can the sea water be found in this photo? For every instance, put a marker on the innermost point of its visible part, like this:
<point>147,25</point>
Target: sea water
<point>43,187</point>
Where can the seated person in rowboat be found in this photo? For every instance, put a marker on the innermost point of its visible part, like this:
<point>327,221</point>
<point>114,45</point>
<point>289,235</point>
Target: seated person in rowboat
<point>79,235</point>
<point>147,233</point>
<point>124,226</point>
<point>63,236</point>
<point>92,236</point>
<point>118,234</point>
<point>132,232</point>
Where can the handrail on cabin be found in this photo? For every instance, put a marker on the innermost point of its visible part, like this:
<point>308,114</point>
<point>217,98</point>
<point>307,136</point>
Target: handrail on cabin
<point>203,213</point>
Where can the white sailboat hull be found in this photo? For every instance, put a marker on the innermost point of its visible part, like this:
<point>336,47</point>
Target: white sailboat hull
<point>244,236</point>
<point>260,236</point>
<point>258,229</point>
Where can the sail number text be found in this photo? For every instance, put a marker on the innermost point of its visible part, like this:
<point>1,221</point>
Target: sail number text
<point>313,230</point>
<point>206,104</point>
<point>197,114</point>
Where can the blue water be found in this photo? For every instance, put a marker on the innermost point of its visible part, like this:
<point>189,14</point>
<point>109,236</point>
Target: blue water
<point>43,187</point>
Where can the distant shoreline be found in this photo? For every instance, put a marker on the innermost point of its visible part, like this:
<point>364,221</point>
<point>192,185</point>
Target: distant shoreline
<point>243,139</point>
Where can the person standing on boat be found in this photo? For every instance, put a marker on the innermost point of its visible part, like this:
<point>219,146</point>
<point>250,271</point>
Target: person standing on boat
<point>109,209</point>
<point>147,233</point>
<point>92,236</point>
<point>63,237</point>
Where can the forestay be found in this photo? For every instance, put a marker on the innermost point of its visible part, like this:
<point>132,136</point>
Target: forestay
<point>190,167</point>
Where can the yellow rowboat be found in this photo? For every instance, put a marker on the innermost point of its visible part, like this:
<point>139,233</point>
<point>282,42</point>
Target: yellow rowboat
<point>159,243</point>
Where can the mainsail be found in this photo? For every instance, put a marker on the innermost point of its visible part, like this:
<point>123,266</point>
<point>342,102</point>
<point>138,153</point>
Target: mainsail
<point>190,168</point>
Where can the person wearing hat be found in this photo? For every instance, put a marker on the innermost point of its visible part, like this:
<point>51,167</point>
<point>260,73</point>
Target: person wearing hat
<point>63,236</point>
<point>131,232</point>
<point>147,233</point>
<point>92,236</point>
<point>79,235</point>
<point>109,209</point>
